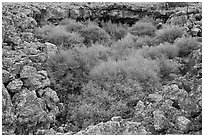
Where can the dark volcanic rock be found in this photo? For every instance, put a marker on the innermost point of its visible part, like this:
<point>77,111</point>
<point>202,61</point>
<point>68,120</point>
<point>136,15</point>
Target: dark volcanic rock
<point>8,117</point>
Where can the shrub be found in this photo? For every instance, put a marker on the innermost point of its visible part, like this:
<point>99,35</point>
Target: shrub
<point>123,47</point>
<point>42,32</point>
<point>58,36</point>
<point>94,55</point>
<point>169,34</point>
<point>67,71</point>
<point>135,67</point>
<point>143,28</point>
<point>107,103</point>
<point>179,21</point>
<point>71,25</point>
<point>147,19</point>
<point>116,31</point>
<point>64,39</point>
<point>145,41</point>
<point>167,67</point>
<point>186,45</point>
<point>163,50</point>
<point>125,43</point>
<point>144,70</point>
<point>93,34</point>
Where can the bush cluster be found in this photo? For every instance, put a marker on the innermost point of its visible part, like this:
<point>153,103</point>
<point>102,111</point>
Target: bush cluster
<point>135,67</point>
<point>67,71</point>
<point>186,45</point>
<point>163,50</point>
<point>94,34</point>
<point>59,36</point>
<point>142,29</point>
<point>116,31</point>
<point>112,67</point>
<point>169,34</point>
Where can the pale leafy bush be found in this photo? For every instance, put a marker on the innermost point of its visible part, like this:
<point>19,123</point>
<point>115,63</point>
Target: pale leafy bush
<point>116,31</point>
<point>147,19</point>
<point>169,34</point>
<point>67,71</point>
<point>135,67</point>
<point>94,34</point>
<point>59,36</point>
<point>94,55</point>
<point>163,50</point>
<point>179,21</point>
<point>145,41</point>
<point>167,67</point>
<point>64,39</point>
<point>186,45</point>
<point>142,29</point>
<point>123,47</point>
<point>72,25</point>
<point>125,43</point>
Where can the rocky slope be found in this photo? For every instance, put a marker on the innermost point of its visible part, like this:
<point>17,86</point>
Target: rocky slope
<point>30,105</point>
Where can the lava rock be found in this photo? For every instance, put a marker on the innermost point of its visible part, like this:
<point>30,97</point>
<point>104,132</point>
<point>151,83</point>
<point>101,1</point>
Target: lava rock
<point>6,76</point>
<point>160,121</point>
<point>183,123</point>
<point>15,85</point>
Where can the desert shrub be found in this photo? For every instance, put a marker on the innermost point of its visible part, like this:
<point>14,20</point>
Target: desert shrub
<point>169,34</point>
<point>144,70</point>
<point>93,34</point>
<point>163,50</point>
<point>90,23</point>
<point>135,67</point>
<point>142,29</point>
<point>116,31</point>
<point>186,45</point>
<point>67,71</point>
<point>42,32</point>
<point>145,41</point>
<point>123,47</point>
<point>167,67</point>
<point>99,105</point>
<point>94,55</point>
<point>72,25</point>
<point>58,36</point>
<point>147,19</point>
<point>125,43</point>
<point>64,39</point>
<point>179,21</point>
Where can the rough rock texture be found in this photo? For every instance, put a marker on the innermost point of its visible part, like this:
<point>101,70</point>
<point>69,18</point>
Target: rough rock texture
<point>160,121</point>
<point>183,123</point>
<point>8,118</point>
<point>31,106</point>
<point>15,85</point>
<point>121,127</point>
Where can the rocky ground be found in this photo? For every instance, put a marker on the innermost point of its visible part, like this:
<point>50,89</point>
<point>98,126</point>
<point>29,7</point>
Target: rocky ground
<point>31,106</point>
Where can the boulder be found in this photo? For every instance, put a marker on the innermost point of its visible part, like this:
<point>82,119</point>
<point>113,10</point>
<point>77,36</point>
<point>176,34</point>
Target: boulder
<point>155,98</point>
<point>160,121</point>
<point>28,72</point>
<point>6,76</point>
<point>51,95</point>
<point>38,58</point>
<point>183,123</point>
<point>32,79</point>
<point>51,49</point>
<point>31,112</point>
<point>15,85</point>
<point>74,13</point>
<point>8,117</point>
<point>27,36</point>
<point>115,128</point>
